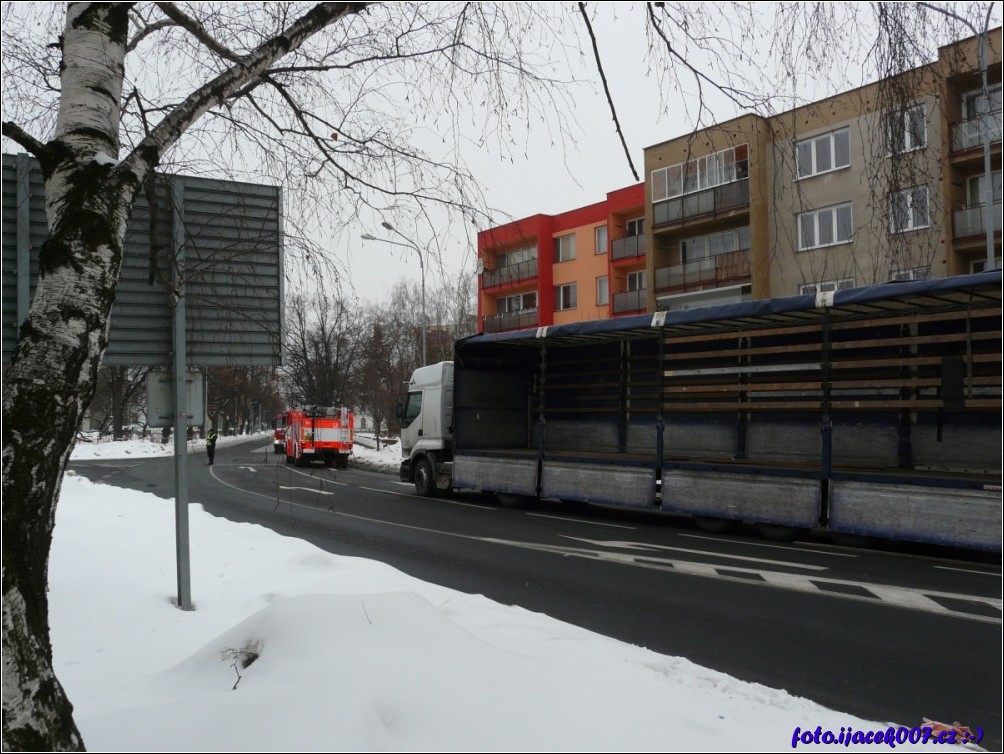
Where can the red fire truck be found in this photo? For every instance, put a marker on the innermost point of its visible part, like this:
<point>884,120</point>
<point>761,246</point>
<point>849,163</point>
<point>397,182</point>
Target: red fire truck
<point>279,435</point>
<point>321,433</point>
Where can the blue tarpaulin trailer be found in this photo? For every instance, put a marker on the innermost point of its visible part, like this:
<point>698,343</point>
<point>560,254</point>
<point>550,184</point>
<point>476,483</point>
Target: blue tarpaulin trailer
<point>872,411</point>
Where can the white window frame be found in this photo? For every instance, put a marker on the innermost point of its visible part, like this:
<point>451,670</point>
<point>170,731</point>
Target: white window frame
<point>635,281</point>
<point>980,265</point>
<point>634,227</point>
<point>602,290</point>
<point>601,245</point>
<point>911,273</point>
<point>564,248</point>
<point>515,303</point>
<point>814,144</point>
<point>819,219</point>
<point>976,96</point>
<point>910,195</point>
<point>826,286</point>
<point>700,247</point>
<point>974,196</point>
<point>897,127</point>
<point>514,257</point>
<point>560,304</point>
<point>700,173</point>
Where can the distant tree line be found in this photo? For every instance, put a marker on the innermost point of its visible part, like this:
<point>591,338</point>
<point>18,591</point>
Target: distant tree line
<point>338,352</point>
<point>343,353</point>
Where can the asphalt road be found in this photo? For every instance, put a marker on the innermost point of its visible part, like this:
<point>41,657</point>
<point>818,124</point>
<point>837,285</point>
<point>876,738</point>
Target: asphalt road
<point>890,636</point>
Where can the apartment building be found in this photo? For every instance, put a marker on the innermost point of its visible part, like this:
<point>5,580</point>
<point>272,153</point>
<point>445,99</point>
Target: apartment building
<point>884,182</point>
<point>587,263</point>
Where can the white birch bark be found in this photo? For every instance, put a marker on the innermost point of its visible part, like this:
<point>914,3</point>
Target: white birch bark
<point>53,371</point>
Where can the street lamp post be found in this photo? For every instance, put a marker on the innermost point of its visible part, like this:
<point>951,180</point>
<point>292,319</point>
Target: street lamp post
<point>421,266</point>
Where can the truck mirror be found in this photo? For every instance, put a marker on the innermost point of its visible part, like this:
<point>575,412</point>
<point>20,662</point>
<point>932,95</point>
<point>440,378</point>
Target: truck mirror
<point>399,410</point>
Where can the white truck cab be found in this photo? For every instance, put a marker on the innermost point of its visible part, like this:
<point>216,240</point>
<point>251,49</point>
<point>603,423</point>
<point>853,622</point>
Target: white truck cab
<point>426,418</point>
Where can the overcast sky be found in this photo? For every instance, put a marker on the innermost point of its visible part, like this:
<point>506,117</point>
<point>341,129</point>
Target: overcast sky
<point>559,160</point>
<point>558,172</point>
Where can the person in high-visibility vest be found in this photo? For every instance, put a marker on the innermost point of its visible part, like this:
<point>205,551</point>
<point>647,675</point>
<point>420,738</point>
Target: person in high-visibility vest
<point>211,445</point>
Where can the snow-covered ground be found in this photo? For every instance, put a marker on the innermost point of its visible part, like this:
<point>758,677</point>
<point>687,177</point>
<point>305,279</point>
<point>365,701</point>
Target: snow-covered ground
<point>351,654</point>
<point>387,459</point>
<point>149,448</point>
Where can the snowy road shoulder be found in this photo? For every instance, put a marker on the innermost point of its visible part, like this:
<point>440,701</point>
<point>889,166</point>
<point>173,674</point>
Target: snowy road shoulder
<point>350,653</point>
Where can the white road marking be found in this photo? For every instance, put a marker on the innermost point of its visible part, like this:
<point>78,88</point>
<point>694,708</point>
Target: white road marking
<point>582,521</point>
<point>968,570</point>
<point>252,469</point>
<point>420,497</point>
<point>884,595</point>
<point>708,553</point>
<point>807,548</point>
<point>306,489</point>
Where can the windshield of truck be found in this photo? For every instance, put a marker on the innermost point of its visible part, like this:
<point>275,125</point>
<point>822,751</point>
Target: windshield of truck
<point>413,409</point>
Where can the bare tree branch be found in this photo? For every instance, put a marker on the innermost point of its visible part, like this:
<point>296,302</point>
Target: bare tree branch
<point>606,89</point>
<point>193,27</point>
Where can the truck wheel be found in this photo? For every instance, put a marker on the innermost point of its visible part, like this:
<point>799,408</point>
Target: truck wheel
<point>714,525</point>
<point>778,532</point>
<point>509,500</point>
<point>425,479</point>
<point>341,462</point>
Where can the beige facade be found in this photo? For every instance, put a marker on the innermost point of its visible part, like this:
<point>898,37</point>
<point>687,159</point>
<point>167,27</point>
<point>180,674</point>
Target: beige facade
<point>879,183</point>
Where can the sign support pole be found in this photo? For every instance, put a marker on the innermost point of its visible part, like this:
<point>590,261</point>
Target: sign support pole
<point>180,404</point>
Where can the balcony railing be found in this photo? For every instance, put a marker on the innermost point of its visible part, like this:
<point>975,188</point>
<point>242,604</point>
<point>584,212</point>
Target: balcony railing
<point>628,248</point>
<point>509,321</point>
<point>711,201</point>
<point>968,221</point>
<point>512,273</point>
<point>966,134</point>
<point>631,301</point>
<point>716,270</point>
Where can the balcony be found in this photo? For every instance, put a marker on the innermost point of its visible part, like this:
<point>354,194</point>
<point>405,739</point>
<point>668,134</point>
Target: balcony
<point>710,202</point>
<point>628,248</point>
<point>513,273</point>
<point>713,271</point>
<point>968,221</point>
<point>631,301</point>
<point>966,134</point>
<point>509,321</point>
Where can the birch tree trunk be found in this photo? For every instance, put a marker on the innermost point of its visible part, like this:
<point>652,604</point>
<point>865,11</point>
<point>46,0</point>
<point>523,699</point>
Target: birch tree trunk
<point>53,371</point>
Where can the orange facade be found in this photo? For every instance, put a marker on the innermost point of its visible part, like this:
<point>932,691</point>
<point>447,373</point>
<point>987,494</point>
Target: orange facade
<point>553,269</point>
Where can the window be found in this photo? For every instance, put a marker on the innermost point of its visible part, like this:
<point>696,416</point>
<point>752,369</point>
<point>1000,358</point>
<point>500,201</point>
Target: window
<point>974,103</point>
<point>636,281</point>
<point>602,290</point>
<point>980,265</point>
<point>635,227</point>
<point>412,409</point>
<point>975,186</point>
<point>908,210</point>
<point>825,227</point>
<point>825,286</point>
<point>517,256</point>
<point>564,248</point>
<point>822,154</point>
<point>517,302</point>
<point>564,297</point>
<point>702,247</point>
<point>601,239</point>
<point>912,273</point>
<point>706,172</point>
<point>906,130</point>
